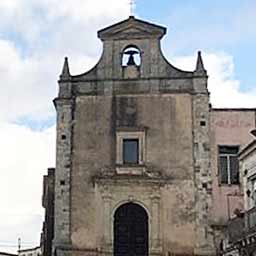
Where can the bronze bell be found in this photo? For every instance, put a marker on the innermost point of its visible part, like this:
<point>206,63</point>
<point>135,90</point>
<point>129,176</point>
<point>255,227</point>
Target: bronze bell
<point>131,61</point>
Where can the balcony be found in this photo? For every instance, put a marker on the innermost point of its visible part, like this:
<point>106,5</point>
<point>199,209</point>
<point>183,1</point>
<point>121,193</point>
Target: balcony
<point>242,226</point>
<point>251,220</point>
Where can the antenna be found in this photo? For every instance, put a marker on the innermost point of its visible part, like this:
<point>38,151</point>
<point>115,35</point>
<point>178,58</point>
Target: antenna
<point>132,7</point>
<point>19,245</point>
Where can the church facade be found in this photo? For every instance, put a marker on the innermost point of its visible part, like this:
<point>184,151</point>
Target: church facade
<point>133,169</point>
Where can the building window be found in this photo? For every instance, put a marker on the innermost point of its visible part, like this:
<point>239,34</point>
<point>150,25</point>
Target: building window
<point>131,151</point>
<point>228,164</point>
<point>130,147</point>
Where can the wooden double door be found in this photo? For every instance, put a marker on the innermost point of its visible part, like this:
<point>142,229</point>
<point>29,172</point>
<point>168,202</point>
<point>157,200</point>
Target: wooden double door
<point>130,231</point>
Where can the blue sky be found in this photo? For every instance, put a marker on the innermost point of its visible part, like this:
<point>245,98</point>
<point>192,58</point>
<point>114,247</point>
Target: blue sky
<point>35,36</point>
<point>210,26</point>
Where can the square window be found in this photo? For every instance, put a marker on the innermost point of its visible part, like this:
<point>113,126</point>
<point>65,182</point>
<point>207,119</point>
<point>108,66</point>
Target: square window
<point>131,151</point>
<point>228,164</point>
<point>130,146</point>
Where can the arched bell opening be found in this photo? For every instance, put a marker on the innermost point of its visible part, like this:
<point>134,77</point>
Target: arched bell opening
<point>131,56</point>
<point>131,230</point>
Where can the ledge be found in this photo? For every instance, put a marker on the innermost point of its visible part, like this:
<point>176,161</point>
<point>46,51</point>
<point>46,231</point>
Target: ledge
<point>130,170</point>
<point>136,174</point>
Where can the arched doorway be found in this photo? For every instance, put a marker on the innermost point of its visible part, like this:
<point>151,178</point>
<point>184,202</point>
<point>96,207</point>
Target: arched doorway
<point>130,230</point>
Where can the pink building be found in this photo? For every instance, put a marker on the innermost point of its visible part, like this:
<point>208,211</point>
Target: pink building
<point>230,132</point>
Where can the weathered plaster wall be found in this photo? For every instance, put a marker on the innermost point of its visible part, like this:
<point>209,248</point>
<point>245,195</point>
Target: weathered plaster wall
<point>228,127</point>
<point>167,119</point>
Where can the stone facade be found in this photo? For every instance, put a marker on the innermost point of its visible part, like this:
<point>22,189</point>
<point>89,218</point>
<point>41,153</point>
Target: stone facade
<point>48,204</point>
<point>166,110</point>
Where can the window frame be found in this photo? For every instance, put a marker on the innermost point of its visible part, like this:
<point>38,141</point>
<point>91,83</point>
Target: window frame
<point>121,135</point>
<point>228,157</point>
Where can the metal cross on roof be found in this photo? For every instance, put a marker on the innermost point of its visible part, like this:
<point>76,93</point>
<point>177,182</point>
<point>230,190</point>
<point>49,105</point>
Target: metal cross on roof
<point>132,7</point>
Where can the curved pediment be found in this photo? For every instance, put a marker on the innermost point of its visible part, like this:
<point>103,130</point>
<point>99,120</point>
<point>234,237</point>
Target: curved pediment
<point>132,28</point>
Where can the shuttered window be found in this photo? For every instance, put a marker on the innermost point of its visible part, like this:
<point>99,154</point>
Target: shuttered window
<point>228,164</point>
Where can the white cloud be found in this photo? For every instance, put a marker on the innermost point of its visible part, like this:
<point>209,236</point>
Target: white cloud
<point>87,9</point>
<point>26,83</point>
<point>29,84</point>
<point>25,155</point>
<point>38,22</point>
<point>34,38</point>
<point>14,226</point>
<point>49,31</point>
<point>225,89</point>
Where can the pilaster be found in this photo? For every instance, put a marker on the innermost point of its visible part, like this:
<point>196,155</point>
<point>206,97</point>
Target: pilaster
<point>155,225</point>
<point>202,168</point>
<point>61,242</point>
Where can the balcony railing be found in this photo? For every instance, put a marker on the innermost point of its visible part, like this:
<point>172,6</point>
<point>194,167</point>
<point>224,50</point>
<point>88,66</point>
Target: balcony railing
<point>251,220</point>
<point>236,229</point>
<point>240,227</point>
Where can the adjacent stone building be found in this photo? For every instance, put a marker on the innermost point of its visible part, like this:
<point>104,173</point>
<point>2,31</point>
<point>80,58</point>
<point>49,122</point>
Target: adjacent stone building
<point>133,171</point>
<point>48,204</point>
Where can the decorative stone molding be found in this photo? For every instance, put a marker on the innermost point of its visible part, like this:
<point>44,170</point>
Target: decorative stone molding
<point>155,234</point>
<point>125,133</point>
<point>130,170</point>
<point>113,196</point>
